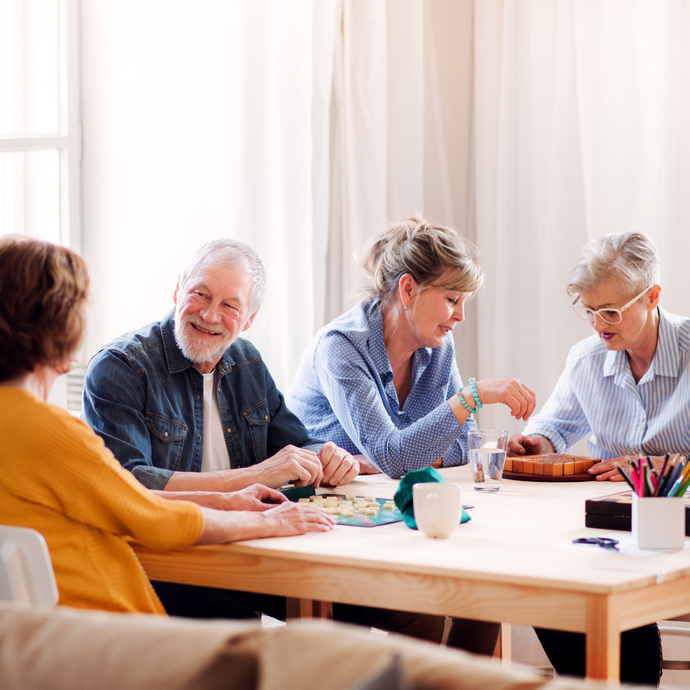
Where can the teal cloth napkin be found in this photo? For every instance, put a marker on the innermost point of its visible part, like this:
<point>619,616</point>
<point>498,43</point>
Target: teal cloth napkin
<point>403,496</point>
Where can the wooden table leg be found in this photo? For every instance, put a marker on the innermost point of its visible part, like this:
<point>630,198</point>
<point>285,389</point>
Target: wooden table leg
<point>603,640</point>
<point>503,645</point>
<point>308,608</point>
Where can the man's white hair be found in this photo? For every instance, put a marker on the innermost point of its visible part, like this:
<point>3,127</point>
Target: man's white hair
<point>231,254</point>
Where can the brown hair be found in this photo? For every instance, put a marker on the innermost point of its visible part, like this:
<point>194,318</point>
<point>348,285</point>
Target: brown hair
<point>43,293</point>
<point>431,254</point>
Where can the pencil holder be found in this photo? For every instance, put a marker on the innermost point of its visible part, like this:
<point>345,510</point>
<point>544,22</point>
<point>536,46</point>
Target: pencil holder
<point>658,522</point>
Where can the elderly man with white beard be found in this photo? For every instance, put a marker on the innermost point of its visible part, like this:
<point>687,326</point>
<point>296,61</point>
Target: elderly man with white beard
<point>187,405</point>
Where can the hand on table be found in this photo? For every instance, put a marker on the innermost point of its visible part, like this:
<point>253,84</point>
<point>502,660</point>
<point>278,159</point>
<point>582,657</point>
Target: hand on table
<point>529,445</point>
<point>254,497</point>
<point>291,464</point>
<point>339,467</point>
<point>296,518</point>
<point>511,392</point>
<point>606,469</point>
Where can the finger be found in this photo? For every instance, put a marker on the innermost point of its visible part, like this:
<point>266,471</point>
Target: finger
<point>533,442</point>
<point>606,466</point>
<point>303,475</point>
<point>313,466</point>
<point>272,496</point>
<point>516,445</point>
<point>351,474</point>
<point>341,471</point>
<point>327,451</point>
<point>330,468</point>
<point>614,476</point>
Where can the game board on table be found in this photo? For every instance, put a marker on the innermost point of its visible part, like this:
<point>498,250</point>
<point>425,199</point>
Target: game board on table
<point>550,467</point>
<point>358,511</point>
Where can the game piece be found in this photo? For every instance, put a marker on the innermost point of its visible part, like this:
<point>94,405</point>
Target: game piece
<point>303,500</point>
<point>350,498</point>
<point>508,465</point>
<point>373,504</point>
<point>528,466</point>
<point>370,498</point>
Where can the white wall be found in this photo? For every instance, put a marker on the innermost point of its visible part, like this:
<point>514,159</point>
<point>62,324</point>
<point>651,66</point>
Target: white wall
<point>180,147</point>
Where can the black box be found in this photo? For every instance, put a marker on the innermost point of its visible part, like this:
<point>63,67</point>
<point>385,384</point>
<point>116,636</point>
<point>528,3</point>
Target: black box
<point>613,512</point>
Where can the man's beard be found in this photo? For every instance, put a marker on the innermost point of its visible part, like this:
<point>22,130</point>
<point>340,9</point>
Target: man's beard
<point>195,349</point>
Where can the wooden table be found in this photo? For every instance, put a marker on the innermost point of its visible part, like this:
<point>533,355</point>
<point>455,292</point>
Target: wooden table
<point>503,566</point>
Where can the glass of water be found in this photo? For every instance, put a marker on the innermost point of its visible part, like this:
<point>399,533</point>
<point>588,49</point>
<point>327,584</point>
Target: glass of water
<point>487,455</point>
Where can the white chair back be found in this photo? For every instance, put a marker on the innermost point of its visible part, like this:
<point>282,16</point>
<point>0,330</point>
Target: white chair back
<point>26,572</point>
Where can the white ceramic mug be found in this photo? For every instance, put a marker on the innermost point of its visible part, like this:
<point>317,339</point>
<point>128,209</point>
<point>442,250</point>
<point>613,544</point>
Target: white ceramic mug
<point>437,508</point>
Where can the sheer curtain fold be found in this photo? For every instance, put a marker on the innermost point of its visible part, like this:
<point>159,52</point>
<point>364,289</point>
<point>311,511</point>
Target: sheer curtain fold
<point>578,106</point>
<point>303,128</point>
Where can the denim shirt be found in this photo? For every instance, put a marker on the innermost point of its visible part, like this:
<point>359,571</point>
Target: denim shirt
<point>145,399</point>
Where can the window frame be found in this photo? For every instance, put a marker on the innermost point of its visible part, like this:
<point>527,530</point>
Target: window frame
<point>68,140</point>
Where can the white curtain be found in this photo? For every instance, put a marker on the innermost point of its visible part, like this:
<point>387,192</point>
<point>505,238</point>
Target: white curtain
<point>304,127</point>
<point>581,129</point>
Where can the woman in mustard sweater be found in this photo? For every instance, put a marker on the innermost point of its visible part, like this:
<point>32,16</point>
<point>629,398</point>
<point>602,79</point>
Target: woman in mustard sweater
<point>56,475</point>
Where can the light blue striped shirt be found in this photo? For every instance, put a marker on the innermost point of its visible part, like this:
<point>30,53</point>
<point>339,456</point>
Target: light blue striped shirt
<point>344,392</point>
<point>597,394</point>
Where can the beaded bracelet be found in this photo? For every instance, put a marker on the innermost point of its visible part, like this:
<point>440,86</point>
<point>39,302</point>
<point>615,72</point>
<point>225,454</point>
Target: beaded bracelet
<point>464,402</point>
<point>475,395</point>
<point>473,388</point>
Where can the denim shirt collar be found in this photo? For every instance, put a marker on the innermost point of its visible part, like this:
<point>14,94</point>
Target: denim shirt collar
<point>174,357</point>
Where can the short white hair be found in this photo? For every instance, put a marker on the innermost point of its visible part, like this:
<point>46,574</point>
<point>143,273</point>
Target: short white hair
<point>231,254</point>
<point>629,258</point>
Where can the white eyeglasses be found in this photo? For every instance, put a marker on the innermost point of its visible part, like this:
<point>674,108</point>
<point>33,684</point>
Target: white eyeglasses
<point>612,316</point>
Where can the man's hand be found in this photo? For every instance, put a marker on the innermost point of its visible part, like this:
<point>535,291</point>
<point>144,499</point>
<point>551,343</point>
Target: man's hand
<point>291,464</point>
<point>529,445</point>
<point>254,497</point>
<point>339,467</point>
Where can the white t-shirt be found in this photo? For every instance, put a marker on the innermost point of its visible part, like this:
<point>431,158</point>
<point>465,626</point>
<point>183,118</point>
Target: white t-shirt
<point>215,451</point>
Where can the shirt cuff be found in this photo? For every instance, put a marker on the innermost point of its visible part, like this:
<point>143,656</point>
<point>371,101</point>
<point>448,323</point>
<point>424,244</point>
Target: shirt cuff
<point>559,444</point>
<point>154,478</point>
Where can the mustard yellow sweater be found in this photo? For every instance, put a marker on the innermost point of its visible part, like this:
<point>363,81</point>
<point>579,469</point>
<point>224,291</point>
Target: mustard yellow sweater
<point>58,477</point>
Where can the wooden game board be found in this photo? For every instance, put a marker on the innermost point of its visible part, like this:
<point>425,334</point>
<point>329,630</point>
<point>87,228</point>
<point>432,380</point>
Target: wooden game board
<point>350,510</point>
<point>550,467</point>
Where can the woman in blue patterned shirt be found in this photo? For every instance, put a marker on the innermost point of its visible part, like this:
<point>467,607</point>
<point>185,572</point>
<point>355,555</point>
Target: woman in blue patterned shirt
<point>382,380</point>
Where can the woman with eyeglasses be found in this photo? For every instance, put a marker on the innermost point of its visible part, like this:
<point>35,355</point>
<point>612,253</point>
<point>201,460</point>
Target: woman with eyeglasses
<point>628,387</point>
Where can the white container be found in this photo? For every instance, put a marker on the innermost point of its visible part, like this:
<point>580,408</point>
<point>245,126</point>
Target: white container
<point>658,522</point>
<point>437,508</point>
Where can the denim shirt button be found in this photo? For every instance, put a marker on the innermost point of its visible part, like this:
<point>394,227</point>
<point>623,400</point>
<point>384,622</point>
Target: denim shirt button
<point>165,434</point>
<point>229,430</point>
<point>197,397</point>
<point>266,417</point>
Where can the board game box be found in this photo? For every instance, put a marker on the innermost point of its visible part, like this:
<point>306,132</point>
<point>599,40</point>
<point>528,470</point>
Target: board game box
<point>613,512</point>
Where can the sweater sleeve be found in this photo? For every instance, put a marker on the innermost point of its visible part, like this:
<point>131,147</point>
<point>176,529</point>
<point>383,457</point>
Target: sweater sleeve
<point>80,478</point>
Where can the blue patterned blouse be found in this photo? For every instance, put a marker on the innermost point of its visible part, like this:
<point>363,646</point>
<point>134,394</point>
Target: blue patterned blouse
<point>344,392</point>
